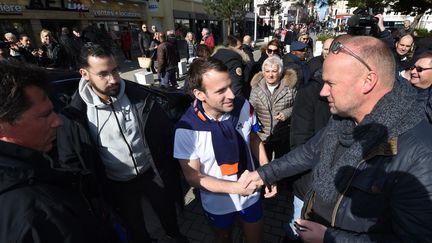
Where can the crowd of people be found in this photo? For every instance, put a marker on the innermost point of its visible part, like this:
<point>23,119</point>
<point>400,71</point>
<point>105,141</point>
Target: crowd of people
<point>350,132</point>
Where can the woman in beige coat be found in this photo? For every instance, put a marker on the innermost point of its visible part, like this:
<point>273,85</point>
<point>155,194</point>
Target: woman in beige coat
<point>272,96</point>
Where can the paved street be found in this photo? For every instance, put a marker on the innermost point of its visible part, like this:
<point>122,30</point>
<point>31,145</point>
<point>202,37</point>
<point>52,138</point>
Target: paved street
<point>192,220</point>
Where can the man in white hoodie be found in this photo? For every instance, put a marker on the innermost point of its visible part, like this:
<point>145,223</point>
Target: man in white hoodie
<point>124,124</point>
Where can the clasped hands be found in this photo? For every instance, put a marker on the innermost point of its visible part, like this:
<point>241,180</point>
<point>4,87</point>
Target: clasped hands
<point>250,182</point>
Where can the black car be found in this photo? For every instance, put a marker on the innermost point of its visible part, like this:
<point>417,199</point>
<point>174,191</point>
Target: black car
<point>65,84</point>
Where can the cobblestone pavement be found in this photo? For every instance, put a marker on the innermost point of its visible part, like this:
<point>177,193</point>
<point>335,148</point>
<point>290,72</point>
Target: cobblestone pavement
<point>193,223</point>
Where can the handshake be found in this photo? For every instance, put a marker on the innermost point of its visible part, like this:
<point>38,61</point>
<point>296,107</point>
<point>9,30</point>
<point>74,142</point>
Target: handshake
<point>250,182</point>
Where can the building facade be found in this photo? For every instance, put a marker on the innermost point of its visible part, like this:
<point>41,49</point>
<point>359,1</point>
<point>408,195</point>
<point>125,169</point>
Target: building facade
<point>339,14</point>
<point>31,16</point>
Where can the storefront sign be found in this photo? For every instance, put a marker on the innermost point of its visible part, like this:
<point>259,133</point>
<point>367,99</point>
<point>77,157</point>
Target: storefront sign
<point>153,5</point>
<point>64,5</point>
<point>10,8</point>
<point>114,13</point>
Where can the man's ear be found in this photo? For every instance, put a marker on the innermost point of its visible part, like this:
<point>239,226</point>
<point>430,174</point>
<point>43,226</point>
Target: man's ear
<point>84,73</point>
<point>369,82</point>
<point>200,95</point>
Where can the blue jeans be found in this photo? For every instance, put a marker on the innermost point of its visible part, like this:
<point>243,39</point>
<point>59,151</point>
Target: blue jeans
<point>167,77</point>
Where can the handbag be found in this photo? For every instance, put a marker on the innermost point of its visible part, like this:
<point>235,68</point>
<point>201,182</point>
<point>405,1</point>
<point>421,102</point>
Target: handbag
<point>144,62</point>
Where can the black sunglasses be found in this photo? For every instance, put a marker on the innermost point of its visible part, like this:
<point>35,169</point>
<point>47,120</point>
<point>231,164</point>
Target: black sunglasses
<point>275,51</point>
<point>336,47</point>
<point>419,69</point>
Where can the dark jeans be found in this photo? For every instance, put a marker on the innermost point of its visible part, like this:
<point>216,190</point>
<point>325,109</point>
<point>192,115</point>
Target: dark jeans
<point>128,199</point>
<point>127,54</point>
<point>167,77</point>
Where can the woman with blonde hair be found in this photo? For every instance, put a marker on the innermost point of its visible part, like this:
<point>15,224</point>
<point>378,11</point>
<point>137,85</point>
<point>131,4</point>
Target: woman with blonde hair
<point>191,47</point>
<point>153,49</point>
<point>305,38</point>
<point>51,53</point>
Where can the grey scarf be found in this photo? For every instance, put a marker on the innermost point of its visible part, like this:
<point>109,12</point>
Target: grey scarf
<point>345,144</point>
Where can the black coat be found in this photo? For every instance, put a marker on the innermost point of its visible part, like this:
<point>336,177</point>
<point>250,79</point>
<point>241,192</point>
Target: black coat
<point>315,64</point>
<point>144,41</point>
<point>293,62</point>
<point>40,204</point>
<point>236,66</point>
<point>310,114</point>
<point>53,56</point>
<point>290,36</point>
<point>77,147</point>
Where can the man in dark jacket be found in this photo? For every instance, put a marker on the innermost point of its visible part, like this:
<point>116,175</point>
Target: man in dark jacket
<point>316,63</point>
<point>167,58</point>
<point>247,47</point>
<point>118,125</point>
<point>27,51</point>
<point>71,49</point>
<point>145,38</point>
<point>236,61</point>
<point>290,35</point>
<point>296,59</point>
<point>38,202</point>
<point>372,162</point>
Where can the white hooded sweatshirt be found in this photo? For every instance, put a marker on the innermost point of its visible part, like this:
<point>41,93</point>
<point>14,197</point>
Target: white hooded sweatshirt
<point>115,129</point>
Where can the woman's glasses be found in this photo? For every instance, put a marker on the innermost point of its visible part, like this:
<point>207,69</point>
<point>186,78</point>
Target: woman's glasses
<point>336,47</point>
<point>419,69</point>
<point>272,51</point>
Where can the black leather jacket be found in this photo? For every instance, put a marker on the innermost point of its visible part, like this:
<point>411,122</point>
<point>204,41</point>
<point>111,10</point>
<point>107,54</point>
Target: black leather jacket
<point>388,194</point>
<point>41,204</point>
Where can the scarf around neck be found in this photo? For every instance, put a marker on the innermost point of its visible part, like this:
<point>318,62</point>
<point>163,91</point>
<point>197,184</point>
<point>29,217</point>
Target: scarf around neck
<point>345,144</point>
<point>230,149</point>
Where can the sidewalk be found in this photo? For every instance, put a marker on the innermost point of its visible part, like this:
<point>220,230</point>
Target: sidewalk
<point>193,223</point>
<point>128,69</point>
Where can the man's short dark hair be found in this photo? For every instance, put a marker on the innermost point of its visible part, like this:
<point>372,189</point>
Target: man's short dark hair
<point>94,50</point>
<point>231,41</point>
<point>426,54</point>
<point>14,79</point>
<point>202,50</point>
<point>200,66</point>
<point>22,36</point>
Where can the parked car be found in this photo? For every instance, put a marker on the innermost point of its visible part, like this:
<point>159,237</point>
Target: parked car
<point>65,84</point>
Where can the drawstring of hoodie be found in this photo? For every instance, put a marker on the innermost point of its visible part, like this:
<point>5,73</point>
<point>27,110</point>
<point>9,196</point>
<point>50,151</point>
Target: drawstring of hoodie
<point>124,138</point>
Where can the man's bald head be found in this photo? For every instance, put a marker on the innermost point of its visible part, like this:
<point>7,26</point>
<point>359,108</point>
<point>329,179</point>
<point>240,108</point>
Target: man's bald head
<point>403,46</point>
<point>377,55</point>
<point>247,40</point>
<point>357,74</point>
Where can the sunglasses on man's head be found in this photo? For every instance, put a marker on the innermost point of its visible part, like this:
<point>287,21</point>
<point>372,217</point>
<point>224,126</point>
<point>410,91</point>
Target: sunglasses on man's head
<point>275,51</point>
<point>336,47</point>
<point>419,69</point>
